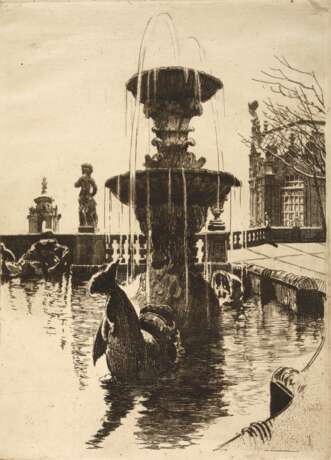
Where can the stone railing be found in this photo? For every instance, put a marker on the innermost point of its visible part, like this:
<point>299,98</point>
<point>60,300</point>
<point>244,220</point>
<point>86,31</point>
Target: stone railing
<point>297,235</point>
<point>247,238</point>
<point>95,249</point>
<point>118,247</point>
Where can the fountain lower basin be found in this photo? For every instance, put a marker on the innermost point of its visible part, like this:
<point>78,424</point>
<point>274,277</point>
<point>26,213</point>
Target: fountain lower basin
<point>203,186</point>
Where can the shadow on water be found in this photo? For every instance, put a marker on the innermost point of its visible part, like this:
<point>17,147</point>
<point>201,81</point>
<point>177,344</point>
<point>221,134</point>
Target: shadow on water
<point>176,410</point>
<point>119,401</point>
<point>176,407</point>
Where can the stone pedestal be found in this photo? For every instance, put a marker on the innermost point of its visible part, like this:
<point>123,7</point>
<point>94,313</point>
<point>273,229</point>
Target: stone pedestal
<point>89,249</point>
<point>217,246</point>
<point>217,224</point>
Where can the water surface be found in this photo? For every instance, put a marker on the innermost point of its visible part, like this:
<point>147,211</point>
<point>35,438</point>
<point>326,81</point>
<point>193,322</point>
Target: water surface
<point>53,402</point>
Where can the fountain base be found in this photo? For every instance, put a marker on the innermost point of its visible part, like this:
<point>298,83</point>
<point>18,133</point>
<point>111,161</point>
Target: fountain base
<point>195,306</point>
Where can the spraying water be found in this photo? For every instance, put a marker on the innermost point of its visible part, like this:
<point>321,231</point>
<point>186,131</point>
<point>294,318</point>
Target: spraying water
<point>215,114</point>
<point>149,239</point>
<point>197,86</point>
<point>217,124</point>
<point>206,259</point>
<point>126,111</point>
<point>120,218</point>
<point>231,194</point>
<point>105,219</point>
<point>110,211</point>
<point>104,209</point>
<point>155,73</point>
<point>169,192</point>
<point>149,30</point>
<point>185,235</point>
<point>218,189</point>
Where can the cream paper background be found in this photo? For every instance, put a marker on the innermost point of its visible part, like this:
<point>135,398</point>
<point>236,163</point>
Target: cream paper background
<point>63,66</point>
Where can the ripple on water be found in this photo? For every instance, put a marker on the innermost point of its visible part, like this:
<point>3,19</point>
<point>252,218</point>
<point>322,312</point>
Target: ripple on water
<point>228,377</point>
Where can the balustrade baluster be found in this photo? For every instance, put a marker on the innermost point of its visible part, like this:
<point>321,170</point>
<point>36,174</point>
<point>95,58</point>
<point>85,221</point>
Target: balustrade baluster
<point>136,250</point>
<point>125,250</point>
<point>115,247</point>
<point>200,251</point>
<point>143,249</point>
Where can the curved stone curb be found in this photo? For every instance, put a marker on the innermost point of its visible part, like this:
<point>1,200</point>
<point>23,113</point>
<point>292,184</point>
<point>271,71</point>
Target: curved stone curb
<point>285,383</point>
<point>296,292</point>
<point>286,386</point>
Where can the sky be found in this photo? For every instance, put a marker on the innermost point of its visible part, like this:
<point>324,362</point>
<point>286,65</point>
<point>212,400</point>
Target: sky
<point>63,68</point>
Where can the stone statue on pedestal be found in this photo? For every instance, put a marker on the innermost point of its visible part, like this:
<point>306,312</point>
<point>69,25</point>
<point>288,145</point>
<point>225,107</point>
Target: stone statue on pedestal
<point>88,218</point>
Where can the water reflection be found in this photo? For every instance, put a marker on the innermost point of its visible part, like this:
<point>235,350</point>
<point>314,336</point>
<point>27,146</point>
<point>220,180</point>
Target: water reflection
<point>86,314</point>
<point>228,376</point>
<point>119,401</point>
<point>173,410</point>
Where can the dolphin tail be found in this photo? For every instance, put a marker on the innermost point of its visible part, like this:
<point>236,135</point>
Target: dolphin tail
<point>100,344</point>
<point>159,321</point>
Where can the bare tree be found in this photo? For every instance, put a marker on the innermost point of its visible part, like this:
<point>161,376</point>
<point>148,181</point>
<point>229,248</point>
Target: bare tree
<point>294,117</point>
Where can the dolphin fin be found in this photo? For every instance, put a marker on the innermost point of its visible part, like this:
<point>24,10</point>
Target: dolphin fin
<point>99,345</point>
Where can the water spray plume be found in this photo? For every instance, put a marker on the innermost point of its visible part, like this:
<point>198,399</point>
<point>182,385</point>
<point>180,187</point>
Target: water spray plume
<point>120,217</point>
<point>169,192</point>
<point>206,258</point>
<point>149,29</point>
<point>104,209</point>
<point>202,53</point>
<point>148,242</point>
<point>110,210</point>
<point>185,236</point>
<point>215,114</point>
<point>231,194</point>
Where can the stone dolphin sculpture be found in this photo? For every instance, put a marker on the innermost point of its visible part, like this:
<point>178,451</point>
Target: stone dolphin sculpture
<point>136,347</point>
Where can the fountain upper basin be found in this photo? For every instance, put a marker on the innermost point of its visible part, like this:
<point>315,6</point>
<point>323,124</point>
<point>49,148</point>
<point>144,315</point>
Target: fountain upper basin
<point>201,186</point>
<point>174,83</point>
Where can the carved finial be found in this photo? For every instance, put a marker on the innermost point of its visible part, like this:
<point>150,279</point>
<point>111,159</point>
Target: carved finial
<point>44,186</point>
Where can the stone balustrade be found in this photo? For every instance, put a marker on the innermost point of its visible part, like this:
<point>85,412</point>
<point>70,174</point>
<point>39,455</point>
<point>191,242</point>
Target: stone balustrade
<point>118,247</point>
<point>96,249</point>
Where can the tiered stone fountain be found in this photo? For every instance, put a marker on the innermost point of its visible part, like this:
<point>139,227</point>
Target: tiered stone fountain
<point>173,194</point>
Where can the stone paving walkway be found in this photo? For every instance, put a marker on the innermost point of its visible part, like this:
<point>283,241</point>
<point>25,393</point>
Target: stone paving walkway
<point>306,259</point>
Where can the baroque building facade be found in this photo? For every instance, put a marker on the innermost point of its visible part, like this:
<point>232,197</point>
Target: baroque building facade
<point>279,196</point>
